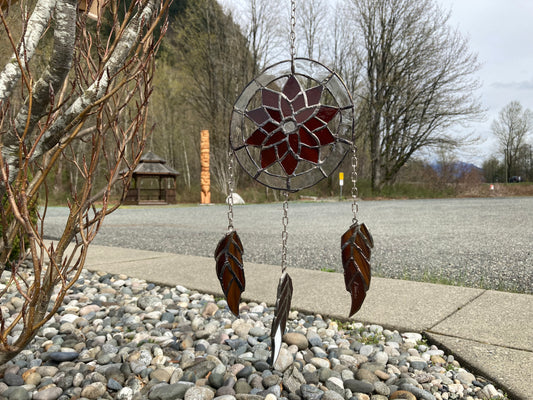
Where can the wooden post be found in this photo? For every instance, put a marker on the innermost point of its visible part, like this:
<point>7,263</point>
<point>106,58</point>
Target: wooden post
<point>205,180</point>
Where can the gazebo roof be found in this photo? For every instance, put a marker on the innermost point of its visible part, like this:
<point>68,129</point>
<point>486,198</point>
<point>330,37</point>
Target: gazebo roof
<point>152,164</point>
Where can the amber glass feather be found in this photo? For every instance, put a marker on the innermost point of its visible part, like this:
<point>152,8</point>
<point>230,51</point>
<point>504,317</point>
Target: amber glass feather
<point>356,248</point>
<point>283,306</point>
<point>230,271</point>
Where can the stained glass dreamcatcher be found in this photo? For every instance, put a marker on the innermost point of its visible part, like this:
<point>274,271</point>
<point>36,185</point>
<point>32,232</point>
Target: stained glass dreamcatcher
<point>291,127</point>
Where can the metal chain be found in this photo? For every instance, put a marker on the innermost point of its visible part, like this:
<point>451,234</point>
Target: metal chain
<point>284,233</point>
<point>231,177</point>
<point>355,192</point>
<point>293,34</point>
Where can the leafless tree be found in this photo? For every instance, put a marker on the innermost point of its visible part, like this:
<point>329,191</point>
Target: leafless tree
<point>70,80</point>
<point>213,54</point>
<point>511,128</point>
<point>418,80</point>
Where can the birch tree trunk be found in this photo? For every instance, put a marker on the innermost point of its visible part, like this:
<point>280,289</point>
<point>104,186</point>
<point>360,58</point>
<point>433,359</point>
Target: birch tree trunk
<point>92,93</point>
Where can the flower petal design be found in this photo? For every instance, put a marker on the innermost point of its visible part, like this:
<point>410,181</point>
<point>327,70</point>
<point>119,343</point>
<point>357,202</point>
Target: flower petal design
<point>257,138</point>
<point>268,157</point>
<point>298,103</point>
<point>294,142</point>
<point>289,163</point>
<point>274,113</point>
<point>304,115</point>
<point>270,98</point>
<point>326,113</point>
<point>307,138</point>
<point>275,138</point>
<point>259,116</point>
<point>292,125</point>
<point>325,136</point>
<point>313,95</point>
<point>309,154</point>
<point>313,124</point>
<point>292,88</point>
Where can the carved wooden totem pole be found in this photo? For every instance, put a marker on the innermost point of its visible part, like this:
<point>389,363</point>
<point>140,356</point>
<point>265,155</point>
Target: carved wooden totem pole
<point>205,180</point>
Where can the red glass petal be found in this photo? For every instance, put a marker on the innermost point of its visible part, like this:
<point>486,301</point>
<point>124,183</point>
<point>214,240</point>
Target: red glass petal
<point>270,127</point>
<point>275,138</point>
<point>286,108</point>
<point>326,113</point>
<point>282,148</point>
<point>313,95</point>
<point>270,98</point>
<point>256,139</point>
<point>309,154</point>
<point>325,136</point>
<point>291,88</point>
<point>304,115</point>
<point>294,141</point>
<point>298,103</point>
<point>289,163</point>
<point>307,139</point>
<point>268,157</point>
<point>275,114</point>
<point>259,116</point>
<point>313,124</point>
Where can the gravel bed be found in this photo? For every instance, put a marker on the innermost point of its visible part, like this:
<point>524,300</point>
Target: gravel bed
<point>121,338</point>
<point>484,243</point>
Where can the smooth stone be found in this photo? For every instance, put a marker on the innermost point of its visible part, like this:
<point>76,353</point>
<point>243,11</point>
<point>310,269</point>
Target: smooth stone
<point>465,377</point>
<point>421,394</point>
<point>417,363</point>
<point>51,393</point>
<point>62,356</point>
<point>257,331</point>
<point>199,393</point>
<point>94,390</point>
<point>47,370</point>
<point>170,392</point>
<point>335,384</point>
<point>310,392</point>
<point>381,388</point>
<point>271,380</point>
<point>358,386</point>
<point>402,395</point>
<point>297,339</point>
<point>241,386</point>
<point>113,384</point>
<point>12,379</point>
<point>284,360</point>
<point>332,395</point>
<point>16,393</point>
<point>216,378</point>
<point>320,362</point>
<point>160,374</point>
<point>225,391</point>
<point>363,374</point>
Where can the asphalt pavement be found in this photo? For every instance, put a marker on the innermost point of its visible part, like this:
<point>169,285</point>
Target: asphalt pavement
<point>481,243</point>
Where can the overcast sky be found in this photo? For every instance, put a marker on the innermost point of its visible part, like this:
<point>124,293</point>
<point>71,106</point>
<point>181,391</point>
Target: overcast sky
<point>501,32</point>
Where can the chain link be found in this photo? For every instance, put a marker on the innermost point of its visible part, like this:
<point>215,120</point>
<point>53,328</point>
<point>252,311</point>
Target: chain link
<point>284,233</point>
<point>355,192</point>
<point>293,34</point>
<point>231,177</point>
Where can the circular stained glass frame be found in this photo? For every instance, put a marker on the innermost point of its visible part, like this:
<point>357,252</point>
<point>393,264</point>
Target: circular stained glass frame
<point>292,125</point>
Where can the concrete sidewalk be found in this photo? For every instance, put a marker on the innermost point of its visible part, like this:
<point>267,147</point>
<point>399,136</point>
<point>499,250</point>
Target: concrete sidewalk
<point>491,332</point>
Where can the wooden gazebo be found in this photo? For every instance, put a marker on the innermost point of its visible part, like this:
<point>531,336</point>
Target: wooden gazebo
<point>153,182</point>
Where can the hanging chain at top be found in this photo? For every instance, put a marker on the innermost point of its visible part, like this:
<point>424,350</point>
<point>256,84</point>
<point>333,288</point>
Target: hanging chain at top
<point>293,34</point>
<point>284,233</point>
<point>230,190</point>
<point>355,205</point>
